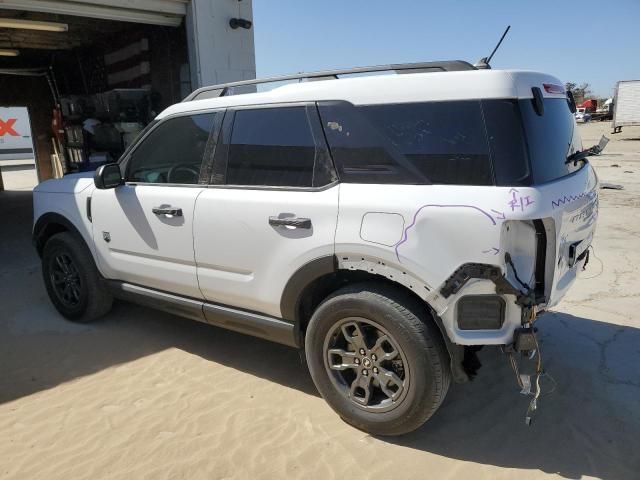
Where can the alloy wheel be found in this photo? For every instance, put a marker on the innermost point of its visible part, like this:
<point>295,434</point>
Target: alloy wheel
<point>366,364</point>
<point>66,280</point>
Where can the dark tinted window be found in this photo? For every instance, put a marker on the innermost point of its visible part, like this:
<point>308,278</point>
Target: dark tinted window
<point>506,140</point>
<point>549,138</point>
<point>361,153</point>
<point>271,146</point>
<point>445,141</point>
<point>419,143</point>
<point>172,152</point>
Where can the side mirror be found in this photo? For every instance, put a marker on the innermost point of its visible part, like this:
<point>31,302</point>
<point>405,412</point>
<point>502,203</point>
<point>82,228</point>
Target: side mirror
<point>108,176</point>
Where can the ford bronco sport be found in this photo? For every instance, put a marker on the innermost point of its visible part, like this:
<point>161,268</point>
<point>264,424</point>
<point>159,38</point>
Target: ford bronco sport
<point>387,225</point>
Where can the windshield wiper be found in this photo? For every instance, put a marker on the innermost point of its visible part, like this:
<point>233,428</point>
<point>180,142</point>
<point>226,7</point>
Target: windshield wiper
<point>583,154</point>
<point>578,156</point>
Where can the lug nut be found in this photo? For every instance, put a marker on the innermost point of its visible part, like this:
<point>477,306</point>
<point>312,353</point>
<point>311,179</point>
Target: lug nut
<point>365,372</point>
<point>375,370</point>
<point>362,351</point>
<point>374,357</point>
<point>356,361</point>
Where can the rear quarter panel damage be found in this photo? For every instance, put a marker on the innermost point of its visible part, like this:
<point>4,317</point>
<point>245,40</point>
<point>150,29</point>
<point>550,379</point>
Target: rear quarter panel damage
<point>448,226</point>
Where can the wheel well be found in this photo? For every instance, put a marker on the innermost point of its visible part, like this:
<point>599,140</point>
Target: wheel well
<point>49,225</point>
<point>319,289</point>
<point>322,287</point>
<point>49,230</point>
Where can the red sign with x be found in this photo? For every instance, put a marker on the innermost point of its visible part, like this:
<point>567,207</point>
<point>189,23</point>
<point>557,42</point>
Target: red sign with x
<point>7,127</point>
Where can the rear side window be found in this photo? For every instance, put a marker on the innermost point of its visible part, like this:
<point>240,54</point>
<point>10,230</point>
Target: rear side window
<point>419,143</point>
<point>361,153</point>
<point>172,152</point>
<point>271,146</point>
<point>445,141</point>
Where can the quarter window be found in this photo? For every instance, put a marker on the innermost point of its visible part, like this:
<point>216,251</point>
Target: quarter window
<point>415,143</point>
<point>444,141</point>
<point>172,152</point>
<point>271,146</point>
<point>362,154</point>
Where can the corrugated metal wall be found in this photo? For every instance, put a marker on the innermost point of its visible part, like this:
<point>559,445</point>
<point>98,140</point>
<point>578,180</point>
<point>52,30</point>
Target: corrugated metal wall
<point>155,12</point>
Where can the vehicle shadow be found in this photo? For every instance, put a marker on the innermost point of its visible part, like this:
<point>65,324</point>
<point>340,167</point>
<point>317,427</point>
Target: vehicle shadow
<point>39,349</point>
<point>127,198</point>
<point>587,423</point>
<point>588,426</point>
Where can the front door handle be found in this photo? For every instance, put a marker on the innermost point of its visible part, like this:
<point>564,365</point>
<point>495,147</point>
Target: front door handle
<point>167,211</point>
<point>290,222</point>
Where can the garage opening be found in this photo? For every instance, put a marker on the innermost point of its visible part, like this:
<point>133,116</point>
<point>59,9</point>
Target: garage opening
<point>90,85</point>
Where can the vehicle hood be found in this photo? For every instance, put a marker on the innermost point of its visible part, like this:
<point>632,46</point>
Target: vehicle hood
<point>71,183</point>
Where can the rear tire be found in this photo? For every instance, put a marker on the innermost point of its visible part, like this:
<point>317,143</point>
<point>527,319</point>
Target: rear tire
<point>377,358</point>
<point>73,282</point>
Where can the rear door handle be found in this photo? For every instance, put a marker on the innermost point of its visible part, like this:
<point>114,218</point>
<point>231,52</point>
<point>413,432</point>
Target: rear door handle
<point>290,222</point>
<point>168,211</point>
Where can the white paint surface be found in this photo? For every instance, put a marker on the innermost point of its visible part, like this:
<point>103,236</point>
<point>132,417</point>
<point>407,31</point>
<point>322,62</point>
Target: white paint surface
<point>382,228</point>
<point>15,133</point>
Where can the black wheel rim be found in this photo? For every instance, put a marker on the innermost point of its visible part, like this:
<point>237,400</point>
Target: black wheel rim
<point>66,280</point>
<point>366,364</point>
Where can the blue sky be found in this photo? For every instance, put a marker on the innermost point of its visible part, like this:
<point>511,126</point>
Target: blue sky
<point>556,37</point>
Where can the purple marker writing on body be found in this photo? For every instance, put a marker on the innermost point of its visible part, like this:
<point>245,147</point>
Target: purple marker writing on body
<point>405,234</point>
<point>519,201</point>
<point>499,215</point>
<point>571,198</point>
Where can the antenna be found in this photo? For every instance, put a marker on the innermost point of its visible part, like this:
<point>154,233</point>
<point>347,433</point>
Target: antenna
<point>485,61</point>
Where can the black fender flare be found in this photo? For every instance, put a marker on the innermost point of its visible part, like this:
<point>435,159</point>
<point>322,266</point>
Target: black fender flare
<point>42,227</point>
<point>300,280</point>
<point>329,264</point>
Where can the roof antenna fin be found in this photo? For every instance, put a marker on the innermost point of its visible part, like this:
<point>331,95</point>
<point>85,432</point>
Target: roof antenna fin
<point>483,63</point>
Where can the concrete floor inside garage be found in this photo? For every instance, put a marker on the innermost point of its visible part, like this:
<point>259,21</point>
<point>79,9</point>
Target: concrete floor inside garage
<point>142,393</point>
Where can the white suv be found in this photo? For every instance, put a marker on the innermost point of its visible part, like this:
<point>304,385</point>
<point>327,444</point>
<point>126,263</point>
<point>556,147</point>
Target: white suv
<point>389,225</point>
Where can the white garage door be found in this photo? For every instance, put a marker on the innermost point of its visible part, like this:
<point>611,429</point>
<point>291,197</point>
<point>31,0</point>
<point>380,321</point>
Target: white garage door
<point>155,12</point>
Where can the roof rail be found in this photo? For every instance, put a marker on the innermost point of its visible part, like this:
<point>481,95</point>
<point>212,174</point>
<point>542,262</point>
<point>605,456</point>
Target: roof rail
<point>223,89</point>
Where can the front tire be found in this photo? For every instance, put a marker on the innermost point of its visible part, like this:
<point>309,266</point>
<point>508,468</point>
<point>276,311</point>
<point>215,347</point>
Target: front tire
<point>73,282</point>
<point>377,359</point>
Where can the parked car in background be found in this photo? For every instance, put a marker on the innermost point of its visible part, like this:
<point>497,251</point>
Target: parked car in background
<point>582,115</point>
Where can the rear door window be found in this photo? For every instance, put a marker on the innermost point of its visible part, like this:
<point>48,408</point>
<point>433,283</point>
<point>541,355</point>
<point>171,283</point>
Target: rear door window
<point>271,147</point>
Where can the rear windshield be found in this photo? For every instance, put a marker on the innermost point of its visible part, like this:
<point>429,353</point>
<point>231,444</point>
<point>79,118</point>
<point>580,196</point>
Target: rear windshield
<point>549,137</point>
<point>475,142</point>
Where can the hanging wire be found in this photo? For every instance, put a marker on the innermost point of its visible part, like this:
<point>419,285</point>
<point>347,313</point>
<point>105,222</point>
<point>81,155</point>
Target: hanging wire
<point>593,252</point>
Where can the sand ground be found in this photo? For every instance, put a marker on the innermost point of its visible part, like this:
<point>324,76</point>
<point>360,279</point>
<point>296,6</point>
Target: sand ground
<point>143,394</point>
